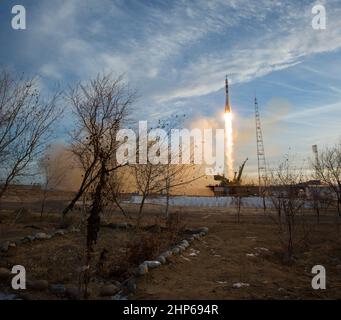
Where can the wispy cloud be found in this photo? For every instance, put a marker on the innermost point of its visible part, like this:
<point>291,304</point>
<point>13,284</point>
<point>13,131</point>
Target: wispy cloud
<point>259,56</point>
<point>183,49</point>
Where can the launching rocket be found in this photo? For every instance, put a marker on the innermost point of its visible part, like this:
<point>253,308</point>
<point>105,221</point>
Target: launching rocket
<point>227,103</point>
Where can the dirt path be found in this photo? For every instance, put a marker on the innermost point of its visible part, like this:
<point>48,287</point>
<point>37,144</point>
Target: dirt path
<point>248,253</point>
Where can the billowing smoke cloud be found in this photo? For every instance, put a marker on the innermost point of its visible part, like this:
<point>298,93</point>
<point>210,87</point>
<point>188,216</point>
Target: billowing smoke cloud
<point>62,168</point>
<point>199,186</point>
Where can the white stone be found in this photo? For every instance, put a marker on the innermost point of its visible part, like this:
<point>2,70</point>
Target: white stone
<point>262,249</point>
<point>203,229</point>
<point>152,264</point>
<point>142,269</point>
<point>176,250</point>
<point>252,255</point>
<point>59,232</point>
<point>166,254</point>
<point>30,238</point>
<point>239,285</point>
<point>185,243</point>
<point>194,253</point>
<point>161,259</point>
<point>41,236</point>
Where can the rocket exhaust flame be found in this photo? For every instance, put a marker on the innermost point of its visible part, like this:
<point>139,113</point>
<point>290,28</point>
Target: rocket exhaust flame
<point>228,135</point>
<point>229,145</point>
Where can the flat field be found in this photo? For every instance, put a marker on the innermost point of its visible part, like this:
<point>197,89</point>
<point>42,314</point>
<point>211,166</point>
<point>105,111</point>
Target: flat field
<point>243,259</point>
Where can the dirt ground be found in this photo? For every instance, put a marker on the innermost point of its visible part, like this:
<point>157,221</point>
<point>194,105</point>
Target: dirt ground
<point>59,260</point>
<point>251,252</point>
<point>248,252</point>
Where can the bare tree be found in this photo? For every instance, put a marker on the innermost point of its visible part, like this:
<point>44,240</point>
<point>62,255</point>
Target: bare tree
<point>288,199</point>
<point>177,176</point>
<point>328,169</point>
<point>100,109</point>
<point>26,124</point>
<point>148,181</point>
<point>164,177</point>
<point>316,197</point>
<point>321,198</point>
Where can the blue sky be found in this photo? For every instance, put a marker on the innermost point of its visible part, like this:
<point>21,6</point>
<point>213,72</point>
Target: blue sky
<point>176,54</point>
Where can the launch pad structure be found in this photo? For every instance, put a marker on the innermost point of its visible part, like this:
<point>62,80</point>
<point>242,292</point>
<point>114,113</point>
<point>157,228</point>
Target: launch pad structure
<point>262,172</point>
<point>226,185</point>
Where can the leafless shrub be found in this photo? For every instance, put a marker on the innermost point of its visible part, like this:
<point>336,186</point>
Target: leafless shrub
<point>148,181</point>
<point>320,199</point>
<point>288,200</point>
<point>174,226</point>
<point>143,247</point>
<point>237,200</point>
<point>328,169</point>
